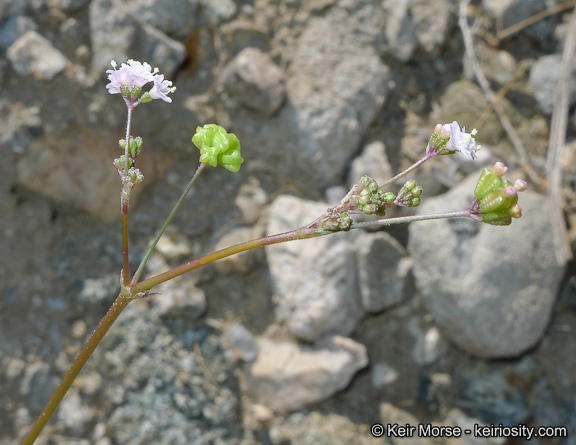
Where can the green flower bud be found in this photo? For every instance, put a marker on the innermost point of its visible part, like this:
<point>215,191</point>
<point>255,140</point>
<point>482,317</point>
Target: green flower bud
<point>409,194</point>
<point>120,163</point>
<point>488,181</point>
<point>146,98</point>
<point>497,218</point>
<point>135,146</point>
<point>217,146</point>
<point>388,197</point>
<point>497,199</point>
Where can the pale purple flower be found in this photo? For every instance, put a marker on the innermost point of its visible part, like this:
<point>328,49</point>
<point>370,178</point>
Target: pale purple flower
<point>460,140</point>
<point>129,78</point>
<point>161,88</point>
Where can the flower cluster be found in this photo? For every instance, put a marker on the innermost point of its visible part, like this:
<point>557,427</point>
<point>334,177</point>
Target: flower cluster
<point>217,146</point>
<point>496,199</point>
<point>448,139</point>
<point>409,194</point>
<point>366,197</point>
<point>129,79</point>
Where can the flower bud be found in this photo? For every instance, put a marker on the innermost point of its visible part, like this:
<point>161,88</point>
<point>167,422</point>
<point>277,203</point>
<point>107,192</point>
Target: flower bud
<point>500,169</point>
<point>217,146</point>
<point>488,181</point>
<point>496,199</point>
<point>520,185</point>
<point>501,218</point>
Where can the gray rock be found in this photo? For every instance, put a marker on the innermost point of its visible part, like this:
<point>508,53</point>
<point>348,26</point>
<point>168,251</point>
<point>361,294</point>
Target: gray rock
<point>243,342</point>
<point>178,372</point>
<point>336,87</point>
<point>287,376</point>
<point>38,384</point>
<point>373,162</point>
<point>242,262</point>
<point>383,270</point>
<point>498,65</point>
<point>400,30</point>
<point>242,33</point>
<point>320,429</point>
<point>254,79</point>
<point>251,199</point>
<point>490,289</point>
<point>433,23</point>
<point>14,28</point>
<point>383,374</point>
<point>390,414</point>
<point>174,17</point>
<point>512,12</point>
<point>179,298</point>
<point>490,397</point>
<point>99,290</point>
<point>429,347</point>
<point>220,11</point>
<point>117,35</point>
<point>75,169</point>
<point>315,280</point>
<point>74,414</point>
<point>32,54</point>
<point>544,77</point>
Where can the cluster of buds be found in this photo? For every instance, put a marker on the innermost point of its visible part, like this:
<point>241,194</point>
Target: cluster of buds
<point>217,146</point>
<point>366,197</point>
<point>496,199</point>
<point>129,174</point>
<point>333,221</point>
<point>409,194</point>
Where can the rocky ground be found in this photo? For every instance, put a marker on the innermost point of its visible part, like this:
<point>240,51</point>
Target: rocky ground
<point>447,322</point>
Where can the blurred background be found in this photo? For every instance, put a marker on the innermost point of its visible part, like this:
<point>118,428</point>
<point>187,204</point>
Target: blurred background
<point>453,322</point>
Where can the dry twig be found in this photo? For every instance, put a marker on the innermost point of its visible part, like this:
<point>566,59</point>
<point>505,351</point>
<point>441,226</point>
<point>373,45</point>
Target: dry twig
<point>503,33</point>
<point>557,145</point>
<point>491,96</point>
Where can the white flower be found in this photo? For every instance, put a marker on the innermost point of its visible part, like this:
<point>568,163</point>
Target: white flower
<point>161,88</point>
<point>129,78</point>
<point>460,140</point>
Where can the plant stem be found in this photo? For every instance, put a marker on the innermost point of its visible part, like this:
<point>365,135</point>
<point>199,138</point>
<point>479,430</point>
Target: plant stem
<point>121,302</point>
<point>125,253</point>
<point>407,219</point>
<point>408,170</point>
<point>298,234</point>
<point>124,201</point>
<point>163,229</point>
<point>129,293</point>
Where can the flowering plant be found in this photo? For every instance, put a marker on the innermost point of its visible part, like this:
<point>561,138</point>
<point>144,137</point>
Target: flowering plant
<point>495,202</point>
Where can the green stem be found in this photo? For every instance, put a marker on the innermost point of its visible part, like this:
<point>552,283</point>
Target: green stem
<point>302,233</point>
<point>163,229</point>
<point>121,302</point>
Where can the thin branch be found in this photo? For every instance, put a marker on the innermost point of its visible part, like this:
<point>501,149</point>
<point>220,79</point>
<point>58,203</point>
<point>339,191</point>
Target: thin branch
<point>110,317</point>
<point>557,145</point>
<point>490,95</point>
<point>503,33</point>
<point>163,229</point>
